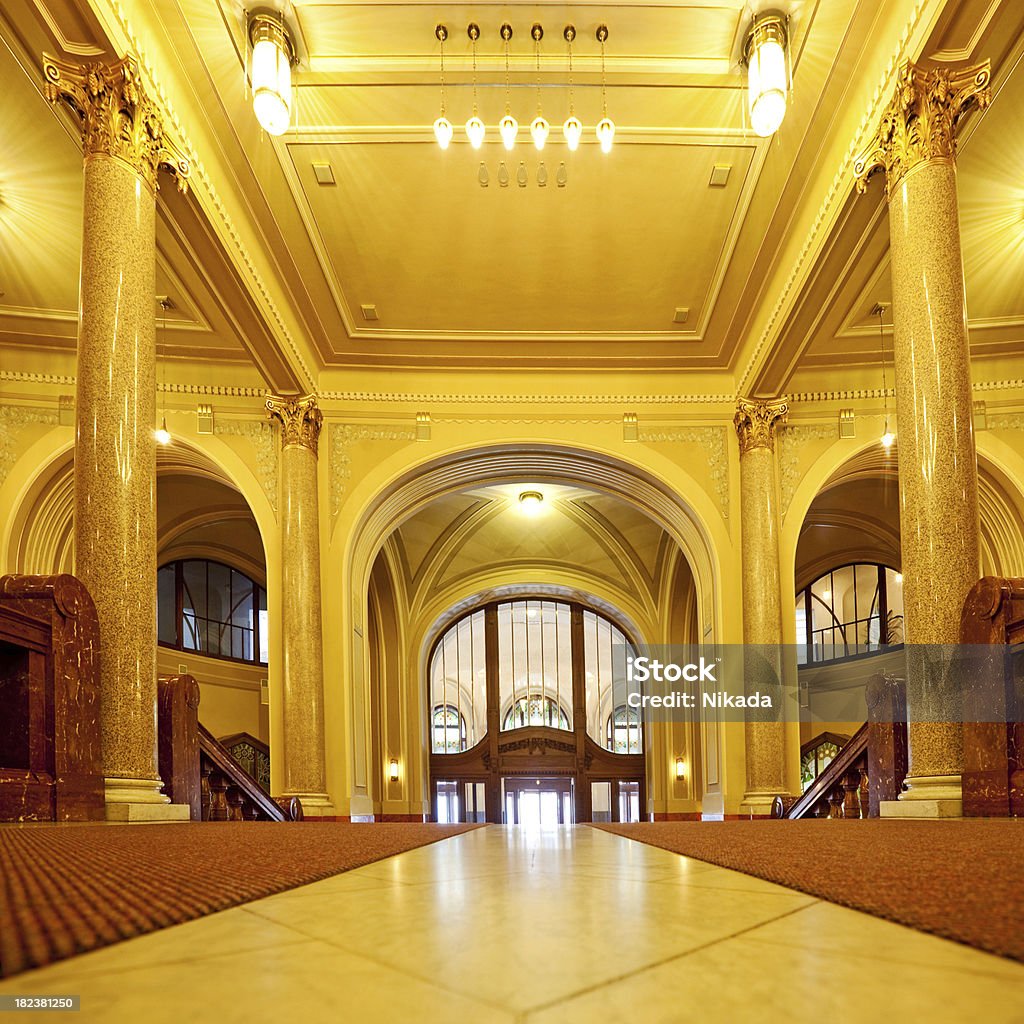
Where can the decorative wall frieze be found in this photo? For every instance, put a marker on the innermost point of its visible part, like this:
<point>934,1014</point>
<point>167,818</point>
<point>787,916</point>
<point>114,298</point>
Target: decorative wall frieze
<point>1005,420</point>
<point>793,438</point>
<point>756,421</point>
<point>714,444</point>
<point>117,116</point>
<point>300,418</point>
<point>261,435</point>
<point>512,398</point>
<point>342,436</point>
<point>919,124</point>
<point>14,421</point>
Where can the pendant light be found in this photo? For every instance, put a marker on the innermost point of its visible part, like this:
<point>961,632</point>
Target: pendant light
<point>508,126</point>
<point>765,53</point>
<point>539,128</point>
<point>162,434</point>
<point>888,437</point>
<point>272,59</point>
<point>572,129</point>
<point>475,129</point>
<point>443,130</point>
<point>605,127</point>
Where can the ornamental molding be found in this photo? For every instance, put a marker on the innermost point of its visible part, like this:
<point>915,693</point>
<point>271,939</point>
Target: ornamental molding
<point>792,441</point>
<point>300,418</point>
<point>1005,421</point>
<point>260,434</point>
<point>341,439</point>
<point>14,420</point>
<point>116,116</point>
<point>714,442</point>
<point>461,397</point>
<point>919,124</point>
<point>756,422</point>
<point>199,175</point>
<point>839,182</point>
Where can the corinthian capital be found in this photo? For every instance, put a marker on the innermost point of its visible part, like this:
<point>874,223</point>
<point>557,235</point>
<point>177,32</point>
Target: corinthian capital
<point>919,124</point>
<point>755,422</point>
<point>116,116</point>
<point>300,418</point>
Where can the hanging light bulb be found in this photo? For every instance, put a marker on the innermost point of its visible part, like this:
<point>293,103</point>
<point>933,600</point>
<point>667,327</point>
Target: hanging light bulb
<point>272,58</point>
<point>765,55</point>
<point>475,129</point>
<point>162,434</point>
<point>508,126</point>
<point>572,129</point>
<point>443,130</point>
<point>539,127</point>
<point>888,437</point>
<point>605,127</point>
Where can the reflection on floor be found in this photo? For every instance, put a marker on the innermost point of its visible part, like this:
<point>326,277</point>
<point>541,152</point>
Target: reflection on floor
<point>536,925</point>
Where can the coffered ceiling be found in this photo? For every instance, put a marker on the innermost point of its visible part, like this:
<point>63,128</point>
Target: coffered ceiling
<point>269,271</point>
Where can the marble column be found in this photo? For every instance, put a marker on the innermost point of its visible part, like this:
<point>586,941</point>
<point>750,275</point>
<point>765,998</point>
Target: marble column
<point>765,736</point>
<point>115,455</point>
<point>301,636</point>
<point>916,147</point>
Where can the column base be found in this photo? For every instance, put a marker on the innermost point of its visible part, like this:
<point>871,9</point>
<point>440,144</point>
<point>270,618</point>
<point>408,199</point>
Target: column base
<point>757,805</point>
<point>921,809</point>
<point>927,796</point>
<point>130,814</point>
<point>314,805</point>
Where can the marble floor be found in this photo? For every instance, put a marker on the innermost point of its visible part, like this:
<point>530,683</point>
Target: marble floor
<point>546,926</point>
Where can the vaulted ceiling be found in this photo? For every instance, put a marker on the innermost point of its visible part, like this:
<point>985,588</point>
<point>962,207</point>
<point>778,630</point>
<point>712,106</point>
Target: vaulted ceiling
<point>267,270</point>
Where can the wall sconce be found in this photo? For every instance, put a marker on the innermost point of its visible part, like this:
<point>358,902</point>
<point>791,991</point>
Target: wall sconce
<point>765,52</point>
<point>680,768</point>
<point>272,60</point>
<point>393,769</point>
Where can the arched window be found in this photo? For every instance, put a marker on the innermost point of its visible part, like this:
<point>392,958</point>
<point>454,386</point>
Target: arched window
<point>536,709</point>
<point>622,734</point>
<point>449,730</point>
<point>850,610</point>
<point>536,656</point>
<point>210,608</point>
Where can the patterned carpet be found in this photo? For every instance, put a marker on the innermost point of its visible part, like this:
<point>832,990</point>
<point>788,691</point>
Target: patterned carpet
<point>963,880</point>
<point>66,890</point>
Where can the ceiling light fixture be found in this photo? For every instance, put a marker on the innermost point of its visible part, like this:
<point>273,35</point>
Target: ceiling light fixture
<point>443,130</point>
<point>766,55</point>
<point>572,129</point>
<point>474,126</point>
<point>508,126</point>
<point>539,127</point>
<point>605,127</point>
<point>888,438</point>
<point>272,60</point>
<point>531,501</point>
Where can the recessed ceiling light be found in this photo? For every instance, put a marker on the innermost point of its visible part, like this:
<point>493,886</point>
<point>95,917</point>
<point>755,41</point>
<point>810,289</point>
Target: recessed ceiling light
<point>720,175</point>
<point>369,311</point>
<point>682,312</point>
<point>324,173</point>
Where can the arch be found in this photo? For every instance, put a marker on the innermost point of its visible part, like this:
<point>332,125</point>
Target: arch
<point>686,520</point>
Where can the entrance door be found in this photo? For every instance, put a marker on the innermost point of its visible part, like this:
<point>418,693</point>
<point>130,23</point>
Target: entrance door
<point>538,802</point>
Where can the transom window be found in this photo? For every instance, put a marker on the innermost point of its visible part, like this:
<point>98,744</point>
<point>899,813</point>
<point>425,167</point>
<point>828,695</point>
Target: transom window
<point>536,710</point>
<point>208,607</point>
<point>851,610</point>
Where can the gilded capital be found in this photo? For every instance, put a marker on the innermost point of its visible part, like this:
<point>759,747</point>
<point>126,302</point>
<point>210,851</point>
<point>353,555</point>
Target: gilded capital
<point>919,124</point>
<point>755,422</point>
<point>116,116</point>
<point>300,418</point>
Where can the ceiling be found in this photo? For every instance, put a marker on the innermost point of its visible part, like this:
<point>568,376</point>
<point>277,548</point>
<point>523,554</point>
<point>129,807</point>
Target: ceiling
<point>267,271</point>
<point>600,541</point>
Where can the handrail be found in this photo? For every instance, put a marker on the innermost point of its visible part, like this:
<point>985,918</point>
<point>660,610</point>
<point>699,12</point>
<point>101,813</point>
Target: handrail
<point>220,773</point>
<point>827,780</point>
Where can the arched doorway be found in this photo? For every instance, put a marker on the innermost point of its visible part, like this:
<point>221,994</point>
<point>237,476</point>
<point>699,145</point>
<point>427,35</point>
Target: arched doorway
<point>528,722</point>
